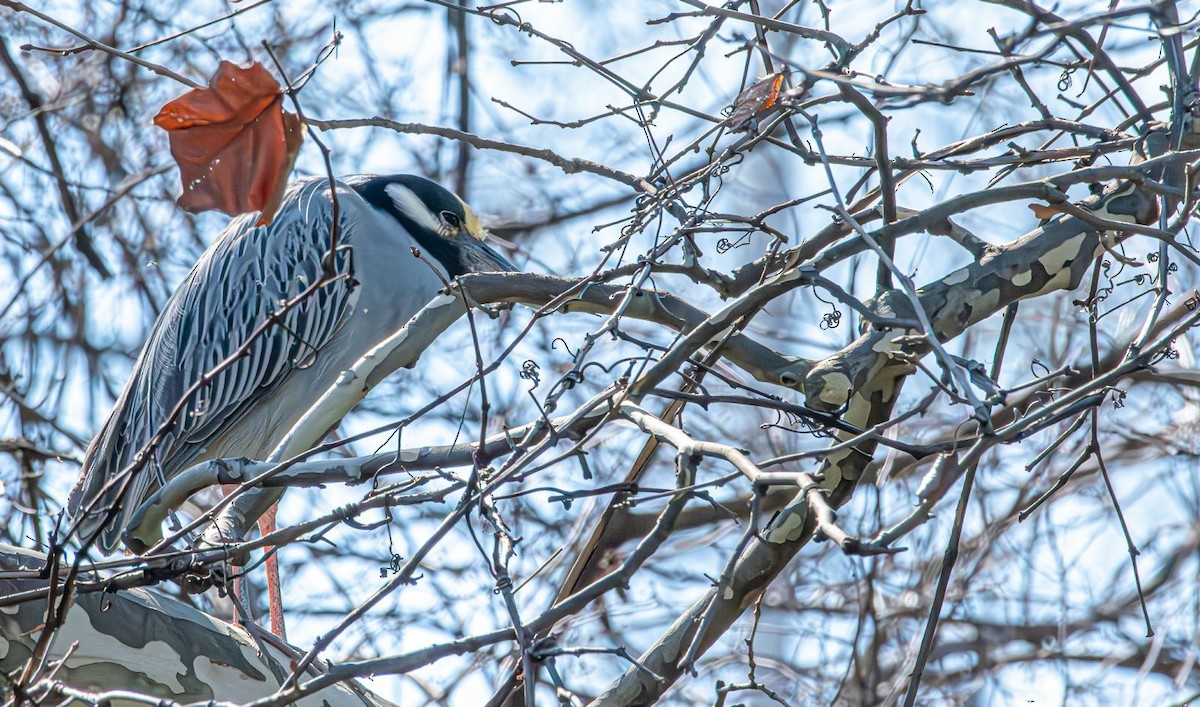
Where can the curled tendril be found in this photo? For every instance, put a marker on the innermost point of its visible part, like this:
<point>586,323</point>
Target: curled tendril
<point>1152,257</point>
<point>790,422</point>
<point>734,160</point>
<point>1064,79</point>
<point>780,423</point>
<point>529,372</point>
<point>833,319</point>
<point>571,379</point>
<point>498,15</point>
<point>596,364</point>
<point>1168,353</point>
<point>393,566</point>
<point>725,245</point>
<point>1103,292</point>
<point>554,345</point>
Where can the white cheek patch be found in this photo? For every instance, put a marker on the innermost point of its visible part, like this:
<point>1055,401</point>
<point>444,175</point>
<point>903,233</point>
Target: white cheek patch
<point>408,204</point>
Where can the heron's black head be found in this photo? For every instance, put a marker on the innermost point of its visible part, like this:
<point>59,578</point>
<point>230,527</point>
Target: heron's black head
<point>441,223</point>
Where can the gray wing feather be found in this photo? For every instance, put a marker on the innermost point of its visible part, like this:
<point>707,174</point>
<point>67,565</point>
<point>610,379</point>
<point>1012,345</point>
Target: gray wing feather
<point>238,283</point>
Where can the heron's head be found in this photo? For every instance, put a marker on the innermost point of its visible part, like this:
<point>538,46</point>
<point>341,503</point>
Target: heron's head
<point>442,224</point>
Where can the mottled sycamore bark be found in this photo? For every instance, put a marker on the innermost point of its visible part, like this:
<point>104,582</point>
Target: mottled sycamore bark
<point>865,379</point>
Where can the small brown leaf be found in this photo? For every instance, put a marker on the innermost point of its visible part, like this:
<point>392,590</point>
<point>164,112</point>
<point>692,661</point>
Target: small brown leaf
<point>1042,211</point>
<point>233,142</point>
<point>755,100</point>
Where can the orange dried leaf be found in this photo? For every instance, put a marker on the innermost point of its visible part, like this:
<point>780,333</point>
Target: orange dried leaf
<point>233,142</point>
<point>756,99</point>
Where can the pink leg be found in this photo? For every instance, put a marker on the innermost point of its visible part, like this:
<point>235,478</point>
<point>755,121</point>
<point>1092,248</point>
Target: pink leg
<point>266,526</point>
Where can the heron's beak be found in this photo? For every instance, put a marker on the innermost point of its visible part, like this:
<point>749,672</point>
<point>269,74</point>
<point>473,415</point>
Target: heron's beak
<point>481,257</point>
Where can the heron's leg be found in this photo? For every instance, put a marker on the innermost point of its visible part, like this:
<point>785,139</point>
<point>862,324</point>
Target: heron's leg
<point>266,526</point>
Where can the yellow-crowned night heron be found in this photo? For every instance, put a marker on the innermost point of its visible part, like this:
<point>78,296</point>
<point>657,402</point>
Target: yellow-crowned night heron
<point>240,281</point>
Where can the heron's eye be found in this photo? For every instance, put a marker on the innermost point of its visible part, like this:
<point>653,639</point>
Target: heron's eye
<point>452,219</point>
